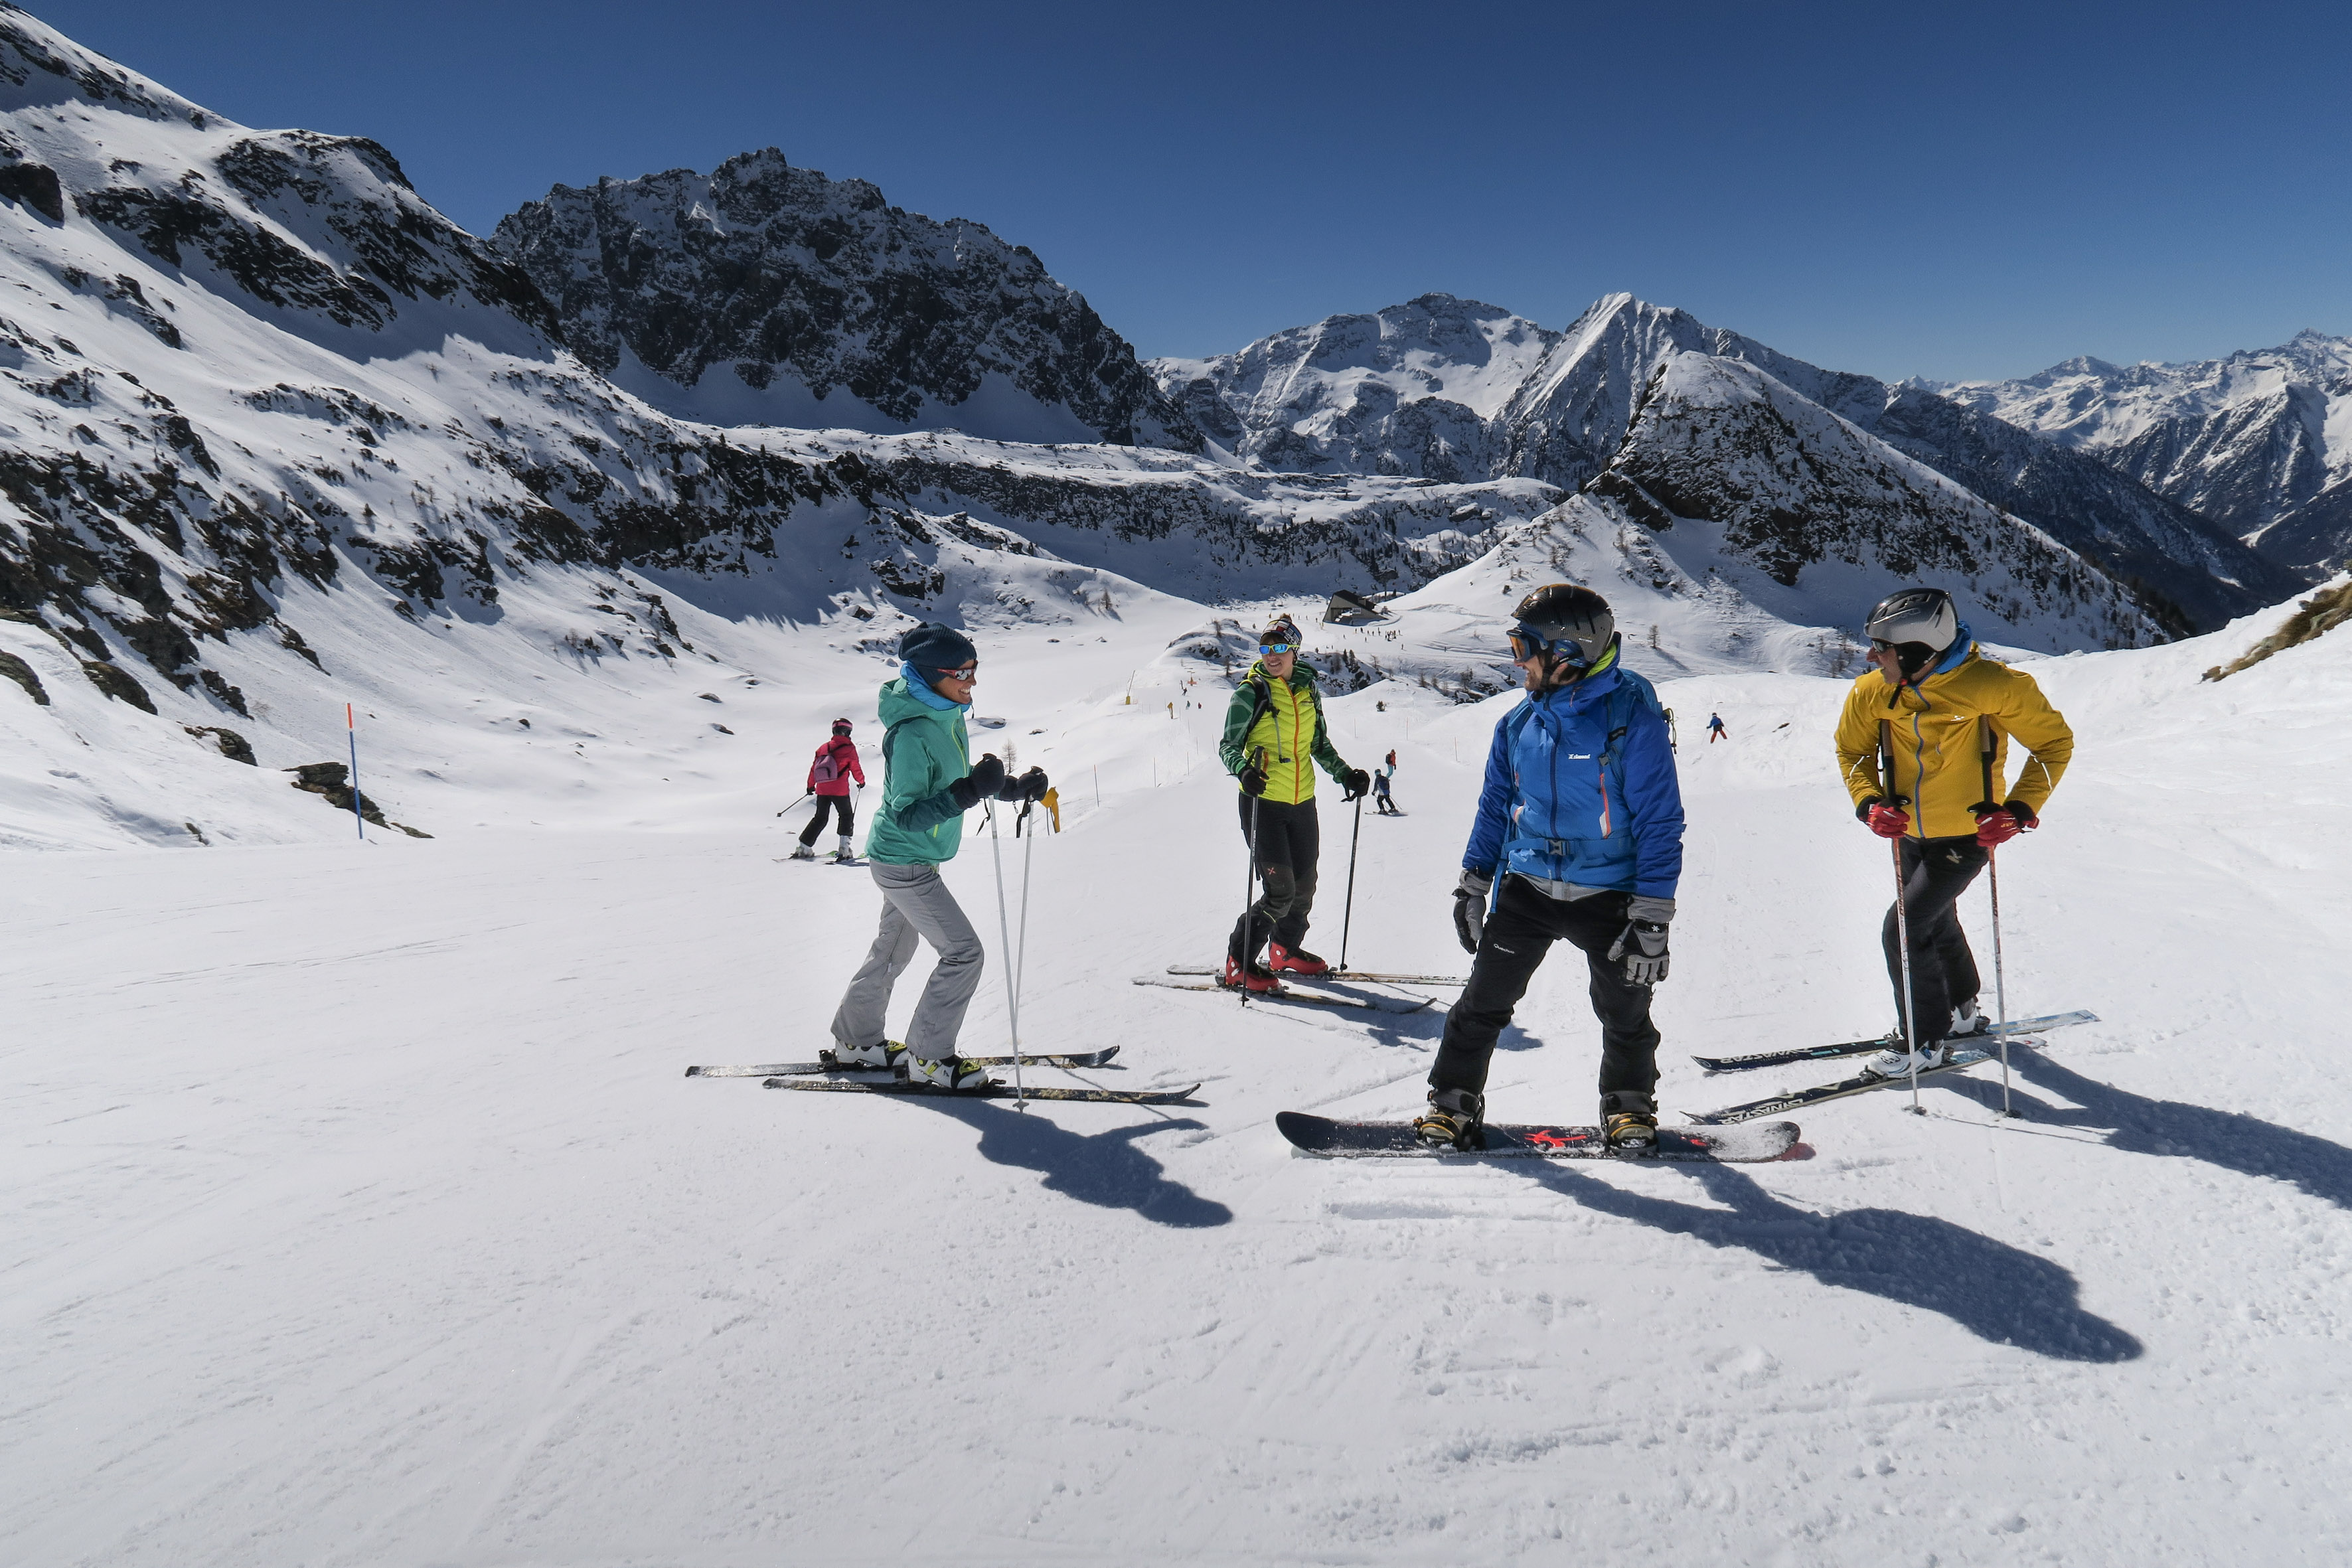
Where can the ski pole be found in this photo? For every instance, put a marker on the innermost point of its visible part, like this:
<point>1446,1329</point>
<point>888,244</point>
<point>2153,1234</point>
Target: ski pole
<point>1004,932</point>
<point>1249,881</point>
<point>1992,868</point>
<point>1902,916</point>
<point>1347,915</point>
<point>353,725</point>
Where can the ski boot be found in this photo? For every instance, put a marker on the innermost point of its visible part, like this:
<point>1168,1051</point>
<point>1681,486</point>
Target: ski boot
<point>1629,1121</point>
<point>844,855</point>
<point>881,1054</point>
<point>802,852</point>
<point>947,1072</point>
<point>1253,977</point>
<point>1967,1021</point>
<point>1457,1118</point>
<point>1896,1062</point>
<point>1294,961</point>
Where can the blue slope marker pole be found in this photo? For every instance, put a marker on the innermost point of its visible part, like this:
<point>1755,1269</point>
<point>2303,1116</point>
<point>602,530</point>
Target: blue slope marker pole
<point>353,725</point>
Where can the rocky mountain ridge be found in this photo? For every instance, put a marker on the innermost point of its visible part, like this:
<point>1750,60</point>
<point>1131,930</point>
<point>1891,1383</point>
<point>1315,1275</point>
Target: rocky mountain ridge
<point>2260,441</point>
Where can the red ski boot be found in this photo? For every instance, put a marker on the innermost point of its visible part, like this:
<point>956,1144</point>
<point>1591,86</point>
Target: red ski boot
<point>1240,976</point>
<point>1294,961</point>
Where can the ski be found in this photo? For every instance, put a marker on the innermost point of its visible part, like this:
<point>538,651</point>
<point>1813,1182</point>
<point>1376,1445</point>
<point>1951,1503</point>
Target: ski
<point>1861,1083</point>
<point>1361,977</point>
<point>1864,1047</point>
<point>1286,993</point>
<point>1357,1140</point>
<point>792,1069</point>
<point>875,1085</point>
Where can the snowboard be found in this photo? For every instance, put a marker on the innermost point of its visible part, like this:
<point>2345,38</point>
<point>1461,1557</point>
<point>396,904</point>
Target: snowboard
<point>1289,993</point>
<point>1360,977</point>
<point>1357,1140</point>
<point>876,1083</point>
<point>1861,1083</point>
<point>790,1070</point>
<point>1864,1047</point>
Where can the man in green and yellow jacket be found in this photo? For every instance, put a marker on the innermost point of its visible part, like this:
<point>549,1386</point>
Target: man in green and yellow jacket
<point>1274,728</point>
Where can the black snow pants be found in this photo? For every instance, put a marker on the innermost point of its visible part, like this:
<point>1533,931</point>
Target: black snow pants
<point>839,803</point>
<point>1520,932</point>
<point>1289,840</point>
<point>1935,872</point>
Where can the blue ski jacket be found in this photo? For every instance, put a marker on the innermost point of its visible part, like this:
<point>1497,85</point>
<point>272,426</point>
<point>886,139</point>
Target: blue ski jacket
<point>1581,788</point>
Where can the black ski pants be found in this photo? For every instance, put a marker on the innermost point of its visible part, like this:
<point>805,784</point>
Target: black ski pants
<point>839,803</point>
<point>1289,841</point>
<point>1520,932</point>
<point>1935,872</point>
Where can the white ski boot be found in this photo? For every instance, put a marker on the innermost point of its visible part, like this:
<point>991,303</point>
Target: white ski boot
<point>1967,1021</point>
<point>802,852</point>
<point>844,855</point>
<point>881,1054</point>
<point>1899,1063</point>
<point>947,1072</point>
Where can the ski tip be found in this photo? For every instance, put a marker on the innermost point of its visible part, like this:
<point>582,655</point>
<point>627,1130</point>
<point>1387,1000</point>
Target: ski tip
<point>694,1072</point>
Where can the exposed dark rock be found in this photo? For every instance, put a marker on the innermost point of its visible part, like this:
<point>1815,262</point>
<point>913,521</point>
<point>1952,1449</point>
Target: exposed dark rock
<point>34,185</point>
<point>117,683</point>
<point>233,746</point>
<point>18,671</point>
<point>331,783</point>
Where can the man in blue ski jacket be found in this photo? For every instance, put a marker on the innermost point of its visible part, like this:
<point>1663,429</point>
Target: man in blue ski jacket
<point>1581,820</point>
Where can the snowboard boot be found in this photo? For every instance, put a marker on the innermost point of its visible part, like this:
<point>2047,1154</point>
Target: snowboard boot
<point>1629,1121</point>
<point>1294,961</point>
<point>802,852</point>
<point>1457,1118</point>
<point>1896,1062</point>
<point>881,1054</point>
<point>947,1072</point>
<point>1254,977</point>
<point>1967,1021</point>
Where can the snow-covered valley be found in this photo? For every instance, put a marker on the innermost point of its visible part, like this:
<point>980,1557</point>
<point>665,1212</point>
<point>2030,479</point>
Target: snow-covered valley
<point>358,1211</point>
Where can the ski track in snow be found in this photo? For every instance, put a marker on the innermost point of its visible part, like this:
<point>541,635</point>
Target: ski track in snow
<point>357,1210</point>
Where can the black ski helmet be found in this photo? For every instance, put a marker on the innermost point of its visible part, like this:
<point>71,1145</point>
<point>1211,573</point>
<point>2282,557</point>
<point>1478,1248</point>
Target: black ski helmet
<point>1923,616</point>
<point>1562,613</point>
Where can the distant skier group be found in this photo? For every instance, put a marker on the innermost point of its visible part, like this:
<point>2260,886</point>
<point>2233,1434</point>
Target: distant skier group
<point>1577,837</point>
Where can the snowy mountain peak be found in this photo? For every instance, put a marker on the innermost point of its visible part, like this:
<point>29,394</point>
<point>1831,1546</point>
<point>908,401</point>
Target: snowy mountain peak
<point>765,294</point>
<point>40,67</point>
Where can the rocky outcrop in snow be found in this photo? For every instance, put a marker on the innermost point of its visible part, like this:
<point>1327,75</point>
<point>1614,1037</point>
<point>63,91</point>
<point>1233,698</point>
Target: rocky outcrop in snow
<point>761,293</point>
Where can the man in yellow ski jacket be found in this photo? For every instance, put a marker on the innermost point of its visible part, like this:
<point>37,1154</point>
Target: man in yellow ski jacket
<point>1923,744</point>
<point>1274,728</point>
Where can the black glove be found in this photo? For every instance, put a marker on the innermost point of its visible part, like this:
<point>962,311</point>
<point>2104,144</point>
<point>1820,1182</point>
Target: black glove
<point>985,782</point>
<point>1252,779</point>
<point>1642,943</point>
<point>1033,785</point>
<point>1356,785</point>
<point>1470,908</point>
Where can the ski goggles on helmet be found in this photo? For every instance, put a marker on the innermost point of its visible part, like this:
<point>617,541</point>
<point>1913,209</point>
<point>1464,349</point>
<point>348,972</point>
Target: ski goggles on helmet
<point>1527,642</point>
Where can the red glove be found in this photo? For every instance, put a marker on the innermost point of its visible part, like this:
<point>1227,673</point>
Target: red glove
<point>1886,821</point>
<point>2003,823</point>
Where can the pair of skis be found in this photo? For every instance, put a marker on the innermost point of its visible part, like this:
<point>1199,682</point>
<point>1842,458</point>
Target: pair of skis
<point>1203,977</point>
<point>1959,1059</point>
<point>826,1075</point>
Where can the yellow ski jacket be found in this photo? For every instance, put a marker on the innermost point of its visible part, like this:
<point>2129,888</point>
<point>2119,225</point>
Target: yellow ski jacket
<point>1938,727</point>
<point>1283,719</point>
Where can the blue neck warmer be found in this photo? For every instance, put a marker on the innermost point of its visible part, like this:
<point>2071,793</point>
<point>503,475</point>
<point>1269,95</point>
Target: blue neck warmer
<point>920,689</point>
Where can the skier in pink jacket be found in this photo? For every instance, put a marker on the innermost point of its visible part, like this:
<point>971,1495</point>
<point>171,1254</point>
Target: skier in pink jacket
<point>828,779</point>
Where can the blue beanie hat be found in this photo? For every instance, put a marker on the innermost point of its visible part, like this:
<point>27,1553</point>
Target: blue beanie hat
<point>935,645</point>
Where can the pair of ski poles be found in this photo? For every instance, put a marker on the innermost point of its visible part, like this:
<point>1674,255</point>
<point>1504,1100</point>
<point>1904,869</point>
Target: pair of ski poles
<point>1015,959</point>
<point>1249,876</point>
<point>1903,919</point>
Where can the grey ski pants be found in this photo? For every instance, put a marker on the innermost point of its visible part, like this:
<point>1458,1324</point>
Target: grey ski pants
<point>915,903</point>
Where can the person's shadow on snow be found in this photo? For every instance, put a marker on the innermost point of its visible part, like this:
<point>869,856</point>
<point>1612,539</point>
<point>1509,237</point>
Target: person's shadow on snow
<point>2139,1125</point>
<point>1996,1291</point>
<point>1105,1169</point>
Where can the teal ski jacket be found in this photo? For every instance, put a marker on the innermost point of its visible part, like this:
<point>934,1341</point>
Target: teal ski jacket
<point>924,750</point>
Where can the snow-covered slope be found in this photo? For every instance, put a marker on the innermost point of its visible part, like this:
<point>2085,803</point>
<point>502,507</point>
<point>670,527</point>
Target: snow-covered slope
<point>2260,441</point>
<point>357,1210</point>
<point>762,294</point>
<point>1448,387</point>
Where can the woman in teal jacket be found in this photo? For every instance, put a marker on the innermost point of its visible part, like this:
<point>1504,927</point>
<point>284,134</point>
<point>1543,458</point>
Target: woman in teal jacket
<point>927,784</point>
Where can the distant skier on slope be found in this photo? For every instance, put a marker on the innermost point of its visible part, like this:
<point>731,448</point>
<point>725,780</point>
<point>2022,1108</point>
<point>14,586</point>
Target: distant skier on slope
<point>1715,730</point>
<point>828,779</point>
<point>1382,801</point>
<point>1931,700</point>
<point>1274,725</point>
<point>1581,818</point>
<point>927,784</point>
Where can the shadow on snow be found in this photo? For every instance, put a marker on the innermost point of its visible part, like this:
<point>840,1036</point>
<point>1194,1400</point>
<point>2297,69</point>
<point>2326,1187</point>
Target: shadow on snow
<point>1996,1291</point>
<point>1105,1169</point>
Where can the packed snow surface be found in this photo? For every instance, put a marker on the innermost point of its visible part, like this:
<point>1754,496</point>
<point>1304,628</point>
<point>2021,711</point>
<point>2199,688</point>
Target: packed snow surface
<point>357,1210</point>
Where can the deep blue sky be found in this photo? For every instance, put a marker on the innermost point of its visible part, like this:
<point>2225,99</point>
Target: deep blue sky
<point>1953,190</point>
